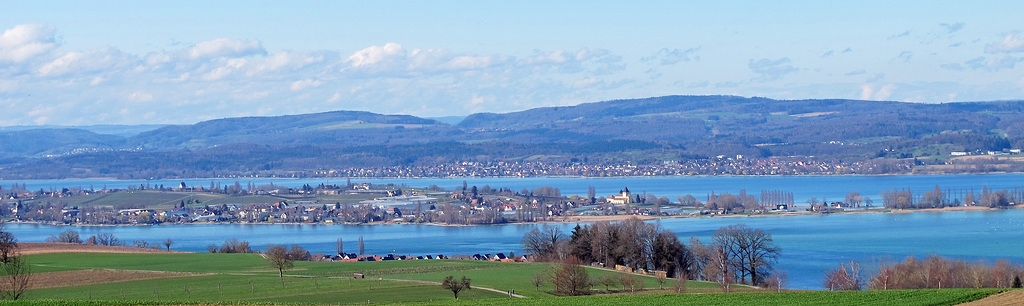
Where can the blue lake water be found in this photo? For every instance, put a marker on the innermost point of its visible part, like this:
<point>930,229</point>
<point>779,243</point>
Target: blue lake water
<point>810,244</point>
<point>803,187</point>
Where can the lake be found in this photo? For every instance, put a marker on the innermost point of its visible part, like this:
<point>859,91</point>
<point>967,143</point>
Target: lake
<point>810,244</point>
<point>803,187</point>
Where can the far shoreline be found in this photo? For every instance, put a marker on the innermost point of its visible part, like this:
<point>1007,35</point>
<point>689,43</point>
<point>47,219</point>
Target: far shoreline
<point>567,219</point>
<point>508,177</point>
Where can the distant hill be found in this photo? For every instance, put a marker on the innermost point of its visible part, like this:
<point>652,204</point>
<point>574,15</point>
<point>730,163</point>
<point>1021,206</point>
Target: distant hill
<point>42,142</point>
<point>637,131</point>
<point>116,130</point>
<point>339,128</point>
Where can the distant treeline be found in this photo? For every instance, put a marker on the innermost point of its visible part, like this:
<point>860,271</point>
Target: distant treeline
<point>937,198</point>
<point>933,272</point>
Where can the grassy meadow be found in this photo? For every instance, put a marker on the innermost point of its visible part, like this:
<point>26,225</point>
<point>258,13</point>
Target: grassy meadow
<point>243,279</point>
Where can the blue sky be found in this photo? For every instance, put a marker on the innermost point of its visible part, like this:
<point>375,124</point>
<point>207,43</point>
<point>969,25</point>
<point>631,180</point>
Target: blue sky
<point>173,62</point>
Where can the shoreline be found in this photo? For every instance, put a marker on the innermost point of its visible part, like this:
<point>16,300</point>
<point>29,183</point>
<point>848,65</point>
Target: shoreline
<point>572,219</point>
<point>505,177</point>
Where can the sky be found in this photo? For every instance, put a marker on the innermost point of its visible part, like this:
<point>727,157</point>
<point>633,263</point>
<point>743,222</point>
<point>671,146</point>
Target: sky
<point>181,62</point>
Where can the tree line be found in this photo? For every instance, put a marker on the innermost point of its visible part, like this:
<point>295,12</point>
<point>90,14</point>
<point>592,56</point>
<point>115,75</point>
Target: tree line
<point>933,272</point>
<point>736,253</point>
<point>938,198</point>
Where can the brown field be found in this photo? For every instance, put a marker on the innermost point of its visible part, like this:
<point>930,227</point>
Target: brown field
<point>29,248</point>
<point>90,277</point>
<point>1012,297</point>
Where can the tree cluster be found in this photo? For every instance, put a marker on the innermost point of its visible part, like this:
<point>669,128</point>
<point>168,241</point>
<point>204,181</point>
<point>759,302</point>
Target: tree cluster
<point>937,198</point>
<point>737,253</point>
<point>933,272</point>
<point>232,245</point>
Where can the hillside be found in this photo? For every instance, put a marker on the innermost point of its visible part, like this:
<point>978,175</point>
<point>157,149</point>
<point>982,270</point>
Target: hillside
<point>646,131</point>
<point>342,128</point>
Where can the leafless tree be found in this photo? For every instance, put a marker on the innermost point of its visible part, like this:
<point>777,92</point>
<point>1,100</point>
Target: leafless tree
<point>67,236</point>
<point>456,286</point>
<point>104,239</point>
<point>628,281</point>
<point>750,251</point>
<point>277,257</point>
<point>680,283</point>
<point>777,280</point>
<point>8,245</point>
<point>544,243</point>
<point>17,274</point>
<point>847,277</point>
<point>571,278</point>
<point>168,243</point>
<point>538,279</point>
<point>608,280</point>
<point>14,267</point>
<point>296,252</point>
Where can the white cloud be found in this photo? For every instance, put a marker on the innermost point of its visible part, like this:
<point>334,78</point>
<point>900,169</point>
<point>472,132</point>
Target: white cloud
<point>952,27</point>
<point>666,57</point>
<point>869,92</point>
<point>376,54</point>
<point>225,47</point>
<point>104,60</point>
<point>303,84</point>
<point>25,41</point>
<point>1012,42</point>
<point>287,61</point>
<point>770,70</point>
<point>61,65</point>
<point>226,69</point>
<point>140,96</point>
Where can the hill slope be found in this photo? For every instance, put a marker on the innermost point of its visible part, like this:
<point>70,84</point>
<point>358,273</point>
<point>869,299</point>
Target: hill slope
<point>638,131</point>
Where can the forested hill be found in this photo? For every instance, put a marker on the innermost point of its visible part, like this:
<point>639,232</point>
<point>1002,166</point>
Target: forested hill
<point>638,131</point>
<point>341,128</point>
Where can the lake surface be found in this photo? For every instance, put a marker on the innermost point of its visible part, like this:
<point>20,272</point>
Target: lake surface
<point>810,244</point>
<point>832,188</point>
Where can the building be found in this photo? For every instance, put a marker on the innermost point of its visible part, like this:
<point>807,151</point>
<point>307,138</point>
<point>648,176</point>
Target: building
<point>624,197</point>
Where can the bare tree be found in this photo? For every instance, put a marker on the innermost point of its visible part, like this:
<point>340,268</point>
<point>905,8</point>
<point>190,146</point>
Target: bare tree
<point>538,279</point>
<point>454,285</point>
<point>777,280</point>
<point>608,280</point>
<point>544,243</point>
<point>296,252</point>
<point>846,277</point>
<point>750,251</point>
<point>628,281</point>
<point>680,283</point>
<point>8,245</point>
<point>105,239</point>
<point>18,274</point>
<point>14,267</point>
<point>571,278</point>
<point>277,257</point>
<point>67,236</point>
<point>168,243</point>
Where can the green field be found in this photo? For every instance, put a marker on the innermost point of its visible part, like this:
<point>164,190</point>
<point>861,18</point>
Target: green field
<point>248,279</point>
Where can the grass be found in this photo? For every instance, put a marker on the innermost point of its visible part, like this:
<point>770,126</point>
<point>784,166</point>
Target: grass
<point>248,279</point>
<point>881,297</point>
<point>261,288</point>
<point>175,262</point>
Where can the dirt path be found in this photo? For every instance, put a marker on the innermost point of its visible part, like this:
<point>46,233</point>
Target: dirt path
<point>1012,297</point>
